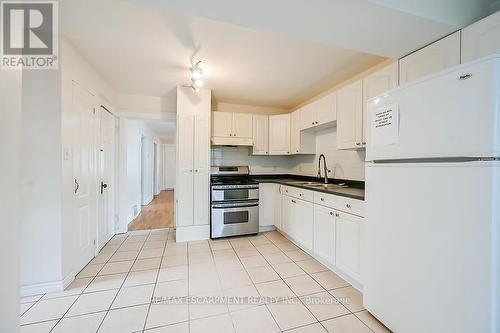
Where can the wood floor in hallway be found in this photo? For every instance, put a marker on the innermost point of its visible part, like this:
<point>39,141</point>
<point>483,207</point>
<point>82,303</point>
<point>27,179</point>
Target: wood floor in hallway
<point>158,214</point>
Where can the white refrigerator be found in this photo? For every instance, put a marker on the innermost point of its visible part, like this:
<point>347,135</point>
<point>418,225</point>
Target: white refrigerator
<point>431,253</point>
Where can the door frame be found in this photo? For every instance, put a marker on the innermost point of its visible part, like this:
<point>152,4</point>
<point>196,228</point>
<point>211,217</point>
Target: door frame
<point>111,181</point>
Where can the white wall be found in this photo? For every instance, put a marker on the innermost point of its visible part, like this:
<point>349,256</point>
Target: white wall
<point>168,166</point>
<point>10,139</point>
<point>41,177</point>
<point>74,68</point>
<point>242,156</point>
<point>344,164</point>
<point>130,180</point>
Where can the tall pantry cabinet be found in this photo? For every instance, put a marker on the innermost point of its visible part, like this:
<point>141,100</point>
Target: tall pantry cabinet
<point>192,194</point>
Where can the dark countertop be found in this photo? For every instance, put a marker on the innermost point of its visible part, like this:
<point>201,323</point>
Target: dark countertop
<point>355,189</point>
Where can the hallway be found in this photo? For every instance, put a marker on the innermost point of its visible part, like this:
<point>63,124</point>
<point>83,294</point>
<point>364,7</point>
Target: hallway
<point>158,214</point>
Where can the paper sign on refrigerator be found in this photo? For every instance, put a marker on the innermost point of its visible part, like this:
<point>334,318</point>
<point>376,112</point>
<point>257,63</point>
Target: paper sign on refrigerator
<point>384,125</point>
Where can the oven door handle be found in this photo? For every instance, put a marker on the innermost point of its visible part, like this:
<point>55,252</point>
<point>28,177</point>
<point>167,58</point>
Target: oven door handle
<point>223,188</point>
<point>226,206</point>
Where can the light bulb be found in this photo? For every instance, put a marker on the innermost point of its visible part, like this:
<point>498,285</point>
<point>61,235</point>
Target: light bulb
<point>196,73</point>
<point>198,83</point>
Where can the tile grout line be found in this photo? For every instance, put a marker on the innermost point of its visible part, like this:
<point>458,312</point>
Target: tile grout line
<point>126,276</point>
<point>156,283</point>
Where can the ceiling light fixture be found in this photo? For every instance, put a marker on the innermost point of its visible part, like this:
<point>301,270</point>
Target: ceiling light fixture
<point>197,76</point>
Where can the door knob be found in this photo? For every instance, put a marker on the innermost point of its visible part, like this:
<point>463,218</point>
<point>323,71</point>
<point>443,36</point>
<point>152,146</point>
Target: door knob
<point>77,186</point>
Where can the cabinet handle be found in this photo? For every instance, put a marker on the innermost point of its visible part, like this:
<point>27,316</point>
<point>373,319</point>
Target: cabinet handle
<point>312,123</point>
<point>331,213</point>
<point>230,134</point>
<point>337,215</point>
<point>316,122</point>
<point>322,199</point>
<point>348,206</point>
<point>358,143</point>
<point>196,170</point>
<point>364,143</point>
<point>234,134</point>
<point>294,201</point>
<point>297,151</point>
<point>301,194</point>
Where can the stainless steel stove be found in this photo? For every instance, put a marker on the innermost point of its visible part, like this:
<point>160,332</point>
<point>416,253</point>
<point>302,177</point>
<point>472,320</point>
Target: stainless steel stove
<point>234,202</point>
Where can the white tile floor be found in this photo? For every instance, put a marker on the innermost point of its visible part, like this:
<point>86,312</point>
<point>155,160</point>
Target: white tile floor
<point>122,288</point>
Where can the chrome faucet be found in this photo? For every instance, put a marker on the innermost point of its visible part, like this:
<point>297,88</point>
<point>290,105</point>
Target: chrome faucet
<point>324,168</point>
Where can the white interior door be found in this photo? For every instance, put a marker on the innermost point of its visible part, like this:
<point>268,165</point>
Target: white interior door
<point>84,210</point>
<point>106,170</point>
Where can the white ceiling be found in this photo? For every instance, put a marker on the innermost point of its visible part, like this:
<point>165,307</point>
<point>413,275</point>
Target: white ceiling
<point>275,53</point>
<point>147,51</point>
<point>164,129</point>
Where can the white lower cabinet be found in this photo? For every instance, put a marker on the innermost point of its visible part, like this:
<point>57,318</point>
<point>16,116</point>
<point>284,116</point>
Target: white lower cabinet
<point>348,244</point>
<point>298,221</point>
<point>325,229</point>
<point>302,226</point>
<point>324,234</point>
<point>269,205</point>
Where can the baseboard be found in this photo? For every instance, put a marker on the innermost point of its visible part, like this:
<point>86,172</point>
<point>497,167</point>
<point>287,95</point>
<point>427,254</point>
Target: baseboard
<point>192,233</point>
<point>47,287</point>
<point>266,228</point>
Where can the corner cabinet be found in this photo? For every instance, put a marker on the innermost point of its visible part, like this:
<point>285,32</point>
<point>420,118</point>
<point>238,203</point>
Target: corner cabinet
<point>320,113</point>
<point>301,142</point>
<point>350,116</point>
<point>260,135</point>
<point>192,195</point>
<point>444,53</point>
<point>279,134</point>
<point>481,38</point>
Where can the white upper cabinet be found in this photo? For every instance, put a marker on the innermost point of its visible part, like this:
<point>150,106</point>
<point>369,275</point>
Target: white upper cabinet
<point>232,128</point>
<point>350,116</point>
<point>481,38</point>
<point>444,53</point>
<point>260,135</point>
<point>222,124</point>
<point>242,125</point>
<point>279,134</point>
<point>376,84</point>
<point>319,113</point>
<point>301,142</point>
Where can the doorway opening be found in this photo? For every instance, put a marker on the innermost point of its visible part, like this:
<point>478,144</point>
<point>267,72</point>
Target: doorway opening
<point>157,154</point>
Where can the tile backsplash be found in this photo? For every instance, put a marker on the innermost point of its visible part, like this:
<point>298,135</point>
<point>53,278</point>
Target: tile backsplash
<point>344,164</point>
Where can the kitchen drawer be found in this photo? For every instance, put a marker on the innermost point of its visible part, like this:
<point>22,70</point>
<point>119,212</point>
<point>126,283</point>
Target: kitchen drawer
<point>298,193</point>
<point>344,204</point>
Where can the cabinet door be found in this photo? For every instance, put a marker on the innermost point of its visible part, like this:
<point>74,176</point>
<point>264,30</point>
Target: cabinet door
<point>324,234</point>
<point>260,130</point>
<point>481,38</point>
<point>348,244</point>
<point>222,124</point>
<point>278,210</point>
<point>350,116</point>
<point>287,215</point>
<point>303,225</point>
<point>269,203</point>
<point>295,132</point>
<point>242,125</point>
<point>440,55</point>
<point>279,134</point>
<point>184,181</point>
<point>307,117</point>
<point>326,109</point>
<point>201,178</point>
<point>376,84</point>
